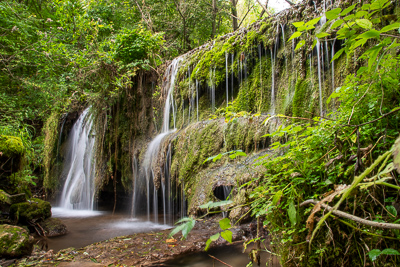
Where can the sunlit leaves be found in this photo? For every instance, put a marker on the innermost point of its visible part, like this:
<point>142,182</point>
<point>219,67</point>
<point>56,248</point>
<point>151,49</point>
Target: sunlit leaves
<point>300,44</point>
<point>390,27</point>
<point>186,225</point>
<point>347,10</point>
<point>337,24</point>
<point>333,14</point>
<point>295,35</point>
<point>364,23</point>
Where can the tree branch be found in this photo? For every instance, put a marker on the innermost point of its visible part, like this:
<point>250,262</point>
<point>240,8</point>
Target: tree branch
<point>352,217</point>
<point>265,8</point>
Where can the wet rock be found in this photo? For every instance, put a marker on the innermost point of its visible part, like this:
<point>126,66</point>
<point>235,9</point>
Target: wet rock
<point>54,227</point>
<point>15,241</point>
<point>31,211</point>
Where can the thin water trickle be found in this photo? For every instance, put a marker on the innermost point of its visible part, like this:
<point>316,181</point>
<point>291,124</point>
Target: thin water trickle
<point>319,77</point>
<point>78,190</point>
<point>233,59</point>
<point>333,66</point>
<point>272,84</point>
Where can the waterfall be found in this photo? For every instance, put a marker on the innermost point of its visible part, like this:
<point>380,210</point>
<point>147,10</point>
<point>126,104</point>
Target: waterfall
<point>333,66</point>
<point>233,58</point>
<point>272,84</point>
<point>78,190</point>
<point>145,188</point>
<point>319,77</point>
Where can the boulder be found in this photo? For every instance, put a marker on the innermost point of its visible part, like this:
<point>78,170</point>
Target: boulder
<point>33,210</point>
<point>54,227</point>
<point>15,241</point>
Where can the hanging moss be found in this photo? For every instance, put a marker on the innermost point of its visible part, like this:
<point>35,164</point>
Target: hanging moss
<point>49,154</point>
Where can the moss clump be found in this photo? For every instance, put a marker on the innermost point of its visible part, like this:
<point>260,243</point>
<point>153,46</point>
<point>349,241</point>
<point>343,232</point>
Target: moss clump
<point>11,146</point>
<point>301,98</point>
<point>54,227</point>
<point>14,241</point>
<point>33,210</point>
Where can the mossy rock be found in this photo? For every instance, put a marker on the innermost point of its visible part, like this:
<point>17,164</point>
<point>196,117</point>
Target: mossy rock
<point>54,227</point>
<point>11,146</point>
<point>33,210</point>
<point>15,241</point>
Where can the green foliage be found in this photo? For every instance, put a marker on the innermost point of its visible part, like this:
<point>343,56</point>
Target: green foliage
<point>224,224</point>
<point>375,253</point>
<point>186,225</point>
<point>11,146</point>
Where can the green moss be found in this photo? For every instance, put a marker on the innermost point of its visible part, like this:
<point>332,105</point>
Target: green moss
<point>11,146</point>
<point>14,241</point>
<point>50,143</point>
<point>33,210</point>
<point>301,98</point>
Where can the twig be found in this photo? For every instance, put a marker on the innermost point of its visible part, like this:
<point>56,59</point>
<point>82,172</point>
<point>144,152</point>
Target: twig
<point>377,119</point>
<point>352,110</point>
<point>220,261</point>
<point>352,217</point>
<point>265,8</point>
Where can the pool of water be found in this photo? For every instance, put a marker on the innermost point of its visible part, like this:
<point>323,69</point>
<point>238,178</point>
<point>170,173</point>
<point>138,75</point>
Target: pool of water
<point>87,227</point>
<point>232,255</point>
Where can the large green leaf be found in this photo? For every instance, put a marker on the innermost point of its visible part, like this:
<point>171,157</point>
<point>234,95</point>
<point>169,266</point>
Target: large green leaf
<point>333,14</point>
<point>322,35</point>
<point>347,10</point>
<point>300,45</point>
<point>364,23</point>
<point>313,21</point>
<point>373,254</point>
<point>225,224</point>
<point>277,197</point>
<point>390,27</point>
<point>227,235</point>
<point>337,24</point>
<point>298,24</point>
<point>378,4</point>
<point>369,34</point>
<point>295,35</point>
<point>390,251</point>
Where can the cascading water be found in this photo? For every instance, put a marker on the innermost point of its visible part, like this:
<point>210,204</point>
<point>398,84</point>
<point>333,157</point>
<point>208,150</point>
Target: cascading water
<point>227,78</point>
<point>78,190</point>
<point>145,189</point>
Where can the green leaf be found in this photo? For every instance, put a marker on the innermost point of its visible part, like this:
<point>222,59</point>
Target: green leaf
<point>361,14</point>
<point>390,27</point>
<point>214,237</point>
<point>300,45</point>
<point>358,43</point>
<point>396,154</point>
<point>337,24</point>
<point>188,227</point>
<point>176,230</point>
<point>277,197</point>
<point>365,7</point>
<point>349,17</point>
<point>292,213</point>
<point>390,251</point>
<point>227,235</point>
<point>338,54</point>
<point>298,24</point>
<point>347,10</point>
<point>313,21</point>
<point>364,23</point>
<point>392,210</point>
<point>369,34</point>
<point>208,243</point>
<point>206,206</point>
<point>322,35</point>
<point>378,4</point>
<point>295,35</point>
<point>373,55</point>
<point>373,254</point>
<point>225,224</point>
<point>333,14</point>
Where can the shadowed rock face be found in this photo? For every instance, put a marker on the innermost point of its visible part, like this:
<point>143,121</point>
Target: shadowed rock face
<point>14,241</point>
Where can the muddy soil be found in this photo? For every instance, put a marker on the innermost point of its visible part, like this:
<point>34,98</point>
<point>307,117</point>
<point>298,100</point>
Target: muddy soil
<point>142,249</point>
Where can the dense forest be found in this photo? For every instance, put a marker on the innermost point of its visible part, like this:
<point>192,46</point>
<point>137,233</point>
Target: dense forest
<point>307,126</point>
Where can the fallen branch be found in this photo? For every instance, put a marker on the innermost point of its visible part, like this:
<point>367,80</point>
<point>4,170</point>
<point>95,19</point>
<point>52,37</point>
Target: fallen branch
<point>220,261</point>
<point>352,217</point>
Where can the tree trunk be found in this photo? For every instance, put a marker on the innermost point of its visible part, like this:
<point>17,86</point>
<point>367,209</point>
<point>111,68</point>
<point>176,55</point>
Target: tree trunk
<point>234,15</point>
<point>214,18</point>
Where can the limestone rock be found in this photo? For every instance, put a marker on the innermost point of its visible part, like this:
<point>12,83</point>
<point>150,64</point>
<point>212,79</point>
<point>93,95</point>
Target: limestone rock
<point>14,241</point>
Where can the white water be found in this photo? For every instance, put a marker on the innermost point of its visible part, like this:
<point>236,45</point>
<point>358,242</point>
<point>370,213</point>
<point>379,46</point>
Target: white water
<point>78,190</point>
<point>319,77</point>
<point>144,182</point>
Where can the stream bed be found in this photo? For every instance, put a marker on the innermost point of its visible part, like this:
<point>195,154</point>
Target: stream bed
<point>88,227</point>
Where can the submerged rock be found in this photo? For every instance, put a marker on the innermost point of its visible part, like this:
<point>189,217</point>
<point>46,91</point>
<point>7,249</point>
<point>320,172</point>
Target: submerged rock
<point>54,227</point>
<point>15,241</point>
